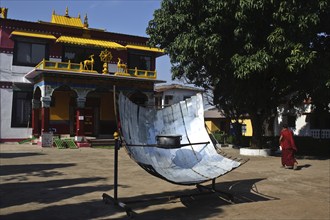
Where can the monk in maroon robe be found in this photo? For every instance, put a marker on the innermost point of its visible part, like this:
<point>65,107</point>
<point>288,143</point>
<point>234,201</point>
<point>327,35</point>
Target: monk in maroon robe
<point>288,148</point>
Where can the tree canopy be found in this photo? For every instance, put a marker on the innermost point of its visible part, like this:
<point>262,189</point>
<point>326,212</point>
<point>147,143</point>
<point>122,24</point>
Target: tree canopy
<point>252,54</point>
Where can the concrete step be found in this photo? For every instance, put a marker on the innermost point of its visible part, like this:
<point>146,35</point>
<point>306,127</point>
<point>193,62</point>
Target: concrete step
<point>101,142</point>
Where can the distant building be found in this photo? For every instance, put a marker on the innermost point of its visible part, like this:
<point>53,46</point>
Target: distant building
<point>304,120</point>
<point>166,95</point>
<point>216,120</point>
<point>60,76</point>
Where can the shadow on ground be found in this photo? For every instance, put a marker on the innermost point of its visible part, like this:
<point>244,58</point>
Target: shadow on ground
<point>32,169</point>
<point>86,210</point>
<point>18,154</point>
<point>196,204</point>
<point>17,190</point>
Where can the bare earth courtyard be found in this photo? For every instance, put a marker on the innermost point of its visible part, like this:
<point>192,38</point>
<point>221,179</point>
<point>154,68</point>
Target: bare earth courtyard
<point>49,183</point>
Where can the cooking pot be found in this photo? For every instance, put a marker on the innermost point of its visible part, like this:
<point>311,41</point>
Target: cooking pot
<point>169,140</point>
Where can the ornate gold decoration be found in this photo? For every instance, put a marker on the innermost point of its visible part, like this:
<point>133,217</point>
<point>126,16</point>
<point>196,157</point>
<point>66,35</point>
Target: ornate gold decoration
<point>67,11</point>
<point>105,57</point>
<point>86,21</point>
<point>3,12</point>
<point>122,68</point>
<point>89,62</point>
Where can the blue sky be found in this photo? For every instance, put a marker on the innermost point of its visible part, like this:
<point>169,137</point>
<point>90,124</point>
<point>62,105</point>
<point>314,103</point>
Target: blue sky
<point>121,16</point>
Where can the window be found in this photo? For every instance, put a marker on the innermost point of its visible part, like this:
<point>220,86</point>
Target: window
<point>243,129</point>
<point>158,101</point>
<point>29,53</point>
<point>79,54</point>
<point>141,62</point>
<point>21,110</point>
<point>168,100</point>
<point>74,54</point>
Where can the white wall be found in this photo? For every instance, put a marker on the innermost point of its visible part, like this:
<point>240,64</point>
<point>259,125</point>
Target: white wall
<point>6,131</point>
<point>9,73</point>
<point>178,94</point>
<point>302,123</point>
<point>302,126</point>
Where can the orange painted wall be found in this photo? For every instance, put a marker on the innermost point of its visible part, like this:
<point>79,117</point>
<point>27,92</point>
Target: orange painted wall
<point>61,109</point>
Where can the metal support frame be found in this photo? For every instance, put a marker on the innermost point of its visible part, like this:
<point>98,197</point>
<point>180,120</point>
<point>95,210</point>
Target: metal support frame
<point>228,197</point>
<point>203,190</point>
<point>107,198</point>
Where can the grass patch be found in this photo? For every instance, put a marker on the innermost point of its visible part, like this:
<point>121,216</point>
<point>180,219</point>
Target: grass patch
<point>27,140</point>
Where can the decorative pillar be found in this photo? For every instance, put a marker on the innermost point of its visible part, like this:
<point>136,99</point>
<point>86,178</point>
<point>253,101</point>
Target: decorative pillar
<point>35,117</point>
<point>80,117</point>
<point>45,116</point>
<point>80,120</point>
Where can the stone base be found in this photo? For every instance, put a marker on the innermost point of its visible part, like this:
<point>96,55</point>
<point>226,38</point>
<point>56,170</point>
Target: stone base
<point>255,152</point>
<point>83,144</point>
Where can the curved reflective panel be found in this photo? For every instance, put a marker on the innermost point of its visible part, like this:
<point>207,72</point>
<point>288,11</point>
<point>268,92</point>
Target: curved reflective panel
<point>194,160</point>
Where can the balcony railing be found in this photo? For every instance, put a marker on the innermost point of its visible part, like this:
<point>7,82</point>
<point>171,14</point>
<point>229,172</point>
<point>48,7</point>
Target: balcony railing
<point>320,133</point>
<point>136,73</point>
<point>68,66</point>
<point>78,67</point>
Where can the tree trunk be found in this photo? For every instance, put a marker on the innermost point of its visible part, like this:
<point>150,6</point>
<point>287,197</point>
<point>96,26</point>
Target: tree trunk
<point>257,122</point>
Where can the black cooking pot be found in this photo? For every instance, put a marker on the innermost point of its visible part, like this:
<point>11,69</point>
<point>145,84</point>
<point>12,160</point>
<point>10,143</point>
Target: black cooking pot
<point>169,140</point>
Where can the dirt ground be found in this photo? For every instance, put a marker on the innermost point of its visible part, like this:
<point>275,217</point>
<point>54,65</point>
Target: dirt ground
<point>48,183</point>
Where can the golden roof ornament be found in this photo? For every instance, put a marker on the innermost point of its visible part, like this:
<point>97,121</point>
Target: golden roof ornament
<point>67,11</point>
<point>86,21</point>
<point>3,12</point>
<point>106,57</point>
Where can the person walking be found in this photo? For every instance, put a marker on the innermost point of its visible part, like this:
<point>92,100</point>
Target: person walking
<point>288,148</point>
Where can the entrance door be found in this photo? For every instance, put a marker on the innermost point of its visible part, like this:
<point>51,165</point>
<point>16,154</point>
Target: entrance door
<point>89,121</point>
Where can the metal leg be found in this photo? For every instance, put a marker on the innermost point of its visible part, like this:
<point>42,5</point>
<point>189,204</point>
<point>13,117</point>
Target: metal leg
<point>108,199</point>
<point>223,195</point>
<point>213,184</point>
<point>115,184</point>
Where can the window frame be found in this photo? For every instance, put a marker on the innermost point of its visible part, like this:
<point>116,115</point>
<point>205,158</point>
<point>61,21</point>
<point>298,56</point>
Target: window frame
<point>168,100</point>
<point>26,109</point>
<point>139,55</point>
<point>82,53</point>
<point>31,42</point>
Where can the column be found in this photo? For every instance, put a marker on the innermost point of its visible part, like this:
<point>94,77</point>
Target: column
<point>35,117</point>
<point>45,116</point>
<point>80,120</point>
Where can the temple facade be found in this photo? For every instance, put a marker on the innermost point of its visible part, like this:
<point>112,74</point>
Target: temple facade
<point>63,76</point>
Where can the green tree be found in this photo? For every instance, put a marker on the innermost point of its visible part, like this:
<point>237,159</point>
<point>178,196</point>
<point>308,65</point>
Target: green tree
<point>252,54</point>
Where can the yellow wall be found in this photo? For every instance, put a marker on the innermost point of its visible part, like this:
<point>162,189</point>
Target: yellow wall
<point>62,101</point>
<point>248,124</point>
<point>211,126</point>
<point>61,109</point>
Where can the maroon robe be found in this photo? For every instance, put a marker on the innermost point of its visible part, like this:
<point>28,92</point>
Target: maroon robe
<point>288,147</point>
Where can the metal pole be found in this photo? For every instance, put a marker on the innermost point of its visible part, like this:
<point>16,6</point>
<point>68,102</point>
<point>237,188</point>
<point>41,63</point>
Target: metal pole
<point>115,185</point>
<point>213,184</point>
